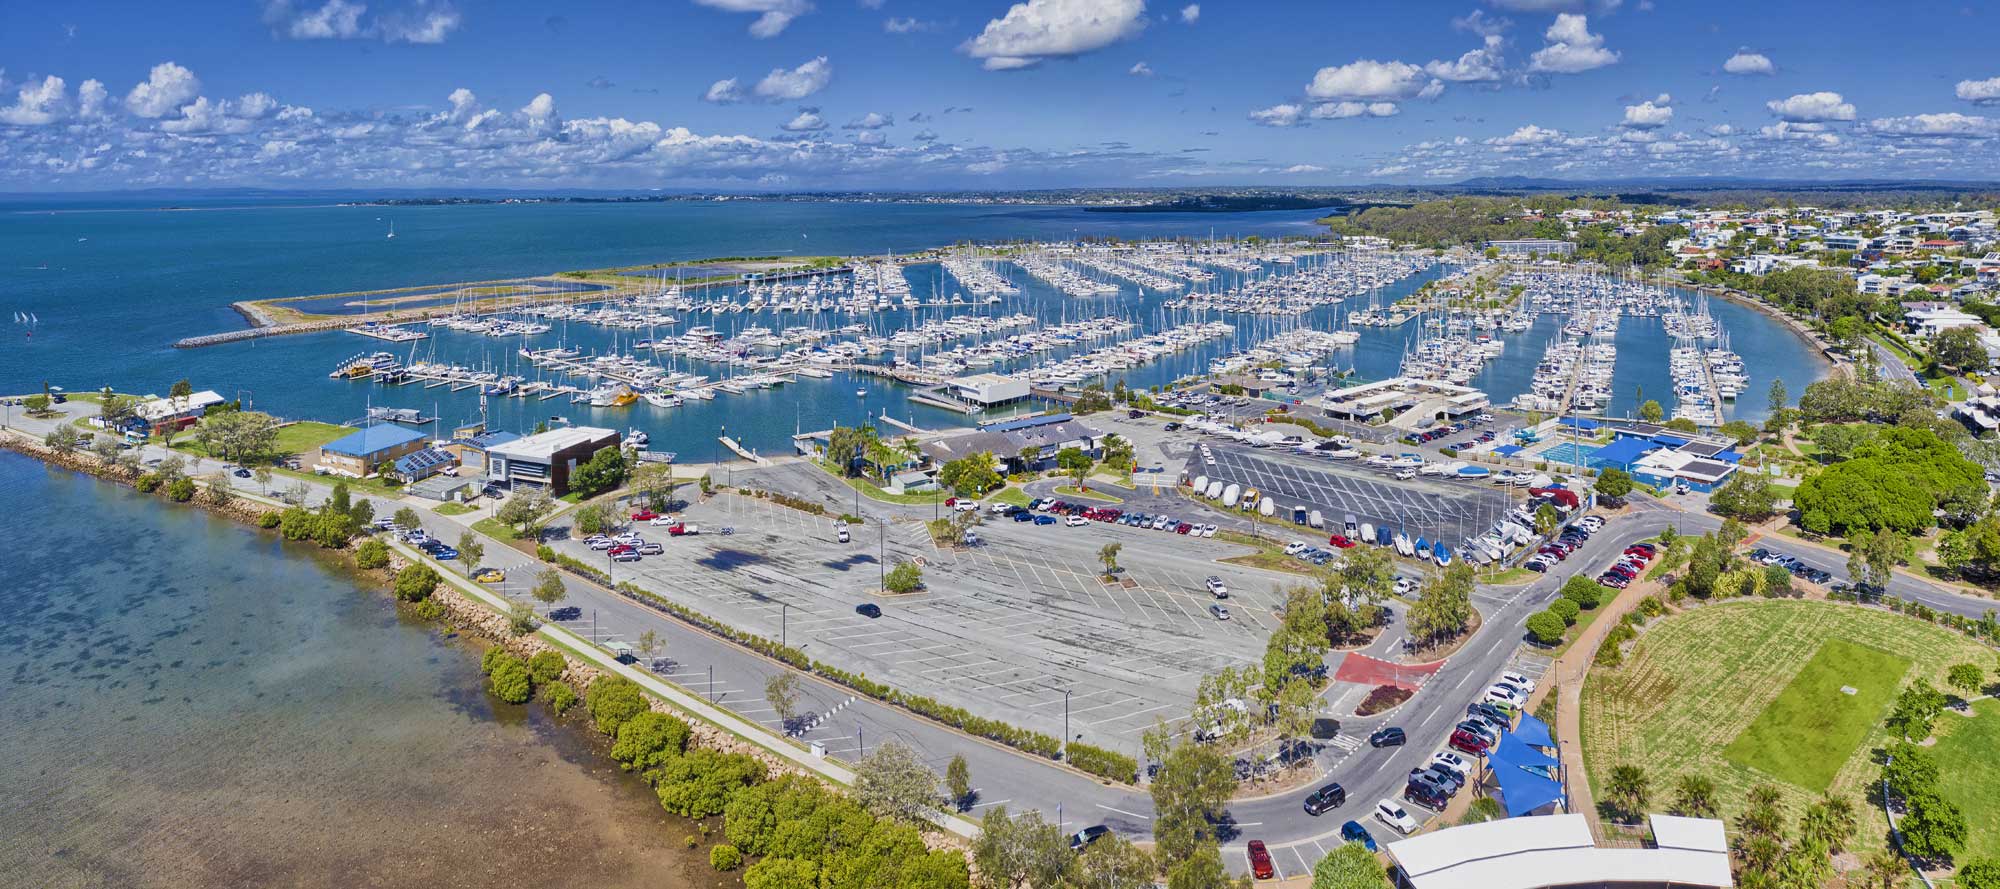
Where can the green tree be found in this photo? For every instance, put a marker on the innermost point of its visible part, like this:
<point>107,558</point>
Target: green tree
<point>611,701</point>
<point>1586,593</point>
<point>415,583</point>
<point>407,519</point>
<point>893,782</point>
<point>958,780</point>
<point>1967,678</point>
<point>1776,397</point>
<point>604,471</point>
<point>63,440</point>
<point>1694,797</point>
<point>906,577</point>
<point>1190,789</point>
<point>547,666</point>
<point>783,691</point>
<point>725,857</point>
<point>372,554</point>
<point>1933,827</point>
<point>1118,453</point>
<point>782,873</point>
<point>1651,411</point>
<point>648,740</point>
<point>970,476</point>
<point>1020,851</point>
<point>37,404</point>
<point>521,620</point>
<point>1107,555</point>
<point>1546,627</point>
<point>1916,710</point>
<point>1908,770</point>
<point>1747,496</point>
<point>1613,484</point>
<point>1112,863</point>
<point>1978,873</point>
<point>1567,609</point>
<point>1741,431</point>
<point>549,588</point>
<point>510,681</point>
<point>525,511</point>
<point>1959,349</point>
<point>697,784</point>
<point>1349,866</point>
<point>470,550</point>
<point>1443,609</point>
<point>1629,789</point>
<point>1075,463</point>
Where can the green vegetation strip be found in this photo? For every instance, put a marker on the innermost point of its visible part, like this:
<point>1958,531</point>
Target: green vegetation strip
<point>1968,754</point>
<point>1811,728</point>
<point>1696,681</point>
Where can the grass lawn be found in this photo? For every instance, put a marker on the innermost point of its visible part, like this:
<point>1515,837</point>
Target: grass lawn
<point>372,485</point>
<point>1510,576</point>
<point>293,438</point>
<point>1966,751</point>
<point>1807,732</point>
<point>869,490</point>
<point>1011,497</point>
<point>1270,555</point>
<point>1696,682</point>
<point>495,529</point>
<point>454,508</point>
<point>1068,491</point>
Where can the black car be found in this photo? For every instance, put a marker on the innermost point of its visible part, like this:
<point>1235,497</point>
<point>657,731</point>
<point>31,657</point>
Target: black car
<point>1088,835</point>
<point>1426,794</point>
<point>1135,413</point>
<point>567,612</point>
<point>1388,737</point>
<point>868,609</point>
<point>1325,799</point>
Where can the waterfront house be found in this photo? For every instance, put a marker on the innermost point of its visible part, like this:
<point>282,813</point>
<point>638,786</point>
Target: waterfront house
<point>359,454</point>
<point>547,459</point>
<point>177,413</point>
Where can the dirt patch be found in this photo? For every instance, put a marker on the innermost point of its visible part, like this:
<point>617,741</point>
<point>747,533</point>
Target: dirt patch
<point>1383,699</point>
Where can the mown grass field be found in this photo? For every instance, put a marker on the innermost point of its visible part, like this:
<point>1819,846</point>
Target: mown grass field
<point>1806,733</point>
<point>1966,753</point>
<point>1696,682</point>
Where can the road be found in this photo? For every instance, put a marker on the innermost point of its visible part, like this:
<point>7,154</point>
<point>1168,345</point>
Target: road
<point>849,725</point>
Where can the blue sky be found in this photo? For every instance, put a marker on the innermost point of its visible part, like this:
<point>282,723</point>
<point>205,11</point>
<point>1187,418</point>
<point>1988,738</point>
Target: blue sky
<point>842,94</point>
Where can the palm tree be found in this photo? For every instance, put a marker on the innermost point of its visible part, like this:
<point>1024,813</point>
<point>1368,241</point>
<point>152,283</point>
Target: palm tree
<point>1694,796</point>
<point>1886,869</point>
<point>1841,821</point>
<point>1629,789</point>
<point>1109,556</point>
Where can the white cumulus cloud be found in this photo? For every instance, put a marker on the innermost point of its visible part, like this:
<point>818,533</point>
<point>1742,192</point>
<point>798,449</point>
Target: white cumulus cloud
<point>1278,115</point>
<point>1812,107</point>
<point>783,85</point>
<point>723,92</point>
<point>1482,65</point>
<point>90,98</point>
<point>1747,62</point>
<point>806,122</point>
<point>1648,115</point>
<point>422,21</point>
<point>1527,135</point>
<point>1344,110</point>
<point>1042,29</point>
<point>1949,124</point>
<point>772,15</point>
<point>1980,92</point>
<point>1191,13</point>
<point>1140,69</point>
<point>1571,48</point>
<point>166,88</point>
<point>1367,79</point>
<point>36,104</point>
<point>873,120</point>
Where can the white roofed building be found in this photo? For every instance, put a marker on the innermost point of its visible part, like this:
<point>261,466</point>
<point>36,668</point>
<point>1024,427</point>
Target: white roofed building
<point>1537,852</point>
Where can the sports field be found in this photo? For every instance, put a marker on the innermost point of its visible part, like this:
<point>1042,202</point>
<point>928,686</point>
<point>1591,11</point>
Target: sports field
<point>1733,690</point>
<point>1807,732</point>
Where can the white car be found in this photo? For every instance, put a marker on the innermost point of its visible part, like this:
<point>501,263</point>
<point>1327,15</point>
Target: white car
<point>1591,523</point>
<point>1519,681</point>
<point>1504,696</point>
<point>1294,548</point>
<point>1452,762</point>
<point>1208,530</point>
<point>1076,521</point>
<point>965,506</point>
<point>999,508</point>
<point>1406,475</point>
<point>1392,813</point>
<point>1217,589</point>
<point>600,544</point>
<point>662,521</point>
<point>841,534</point>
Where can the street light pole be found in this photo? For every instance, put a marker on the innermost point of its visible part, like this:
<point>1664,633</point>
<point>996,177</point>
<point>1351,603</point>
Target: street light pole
<point>1065,737</point>
<point>711,683</point>
<point>882,560</point>
<point>784,618</point>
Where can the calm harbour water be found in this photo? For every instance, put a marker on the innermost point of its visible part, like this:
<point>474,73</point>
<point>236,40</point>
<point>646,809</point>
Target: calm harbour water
<point>190,703</point>
<point>122,283</point>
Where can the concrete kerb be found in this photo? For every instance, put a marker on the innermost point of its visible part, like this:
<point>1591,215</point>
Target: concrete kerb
<point>687,703</point>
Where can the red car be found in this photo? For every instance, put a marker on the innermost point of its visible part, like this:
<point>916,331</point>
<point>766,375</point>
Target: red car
<point>1340,540</point>
<point>1468,742</point>
<point>1183,528</point>
<point>622,548</point>
<point>1260,861</point>
<point>645,515</point>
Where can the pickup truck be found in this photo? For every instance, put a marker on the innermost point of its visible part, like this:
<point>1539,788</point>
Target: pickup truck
<point>683,530</point>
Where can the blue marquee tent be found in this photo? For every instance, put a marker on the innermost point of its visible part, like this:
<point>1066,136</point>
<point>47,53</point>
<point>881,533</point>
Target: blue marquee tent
<point>1534,732</point>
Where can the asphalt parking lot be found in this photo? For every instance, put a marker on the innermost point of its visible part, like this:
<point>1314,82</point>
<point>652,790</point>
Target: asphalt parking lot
<point>1425,506</point>
<point>1002,629</point>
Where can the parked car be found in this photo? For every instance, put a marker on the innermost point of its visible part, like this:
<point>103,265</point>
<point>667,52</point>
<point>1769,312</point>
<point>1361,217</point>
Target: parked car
<point>1326,799</point>
<point>1340,540</point>
<point>1216,588</point>
<point>1083,838</point>
<point>645,515</point>
<point>651,548</point>
<point>1389,736</point>
<point>841,535</point>
<point>1220,612</point>
<point>1452,762</point>
<point>1260,861</point>
<point>628,554</point>
<point>1426,794</point>
<point>489,575</point>
<point>1353,832</point>
<point>1075,521</point>
<point>1470,742</point>
<point>1392,813</point>
<point>868,610</point>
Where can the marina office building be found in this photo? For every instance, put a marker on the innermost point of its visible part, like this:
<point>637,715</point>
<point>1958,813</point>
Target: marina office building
<point>546,459</point>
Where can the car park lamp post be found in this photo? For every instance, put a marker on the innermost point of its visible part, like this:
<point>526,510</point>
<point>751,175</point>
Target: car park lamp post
<point>784,618</point>
<point>1065,741</point>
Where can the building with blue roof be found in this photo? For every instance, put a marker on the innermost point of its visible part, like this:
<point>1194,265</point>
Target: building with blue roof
<point>363,452</point>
